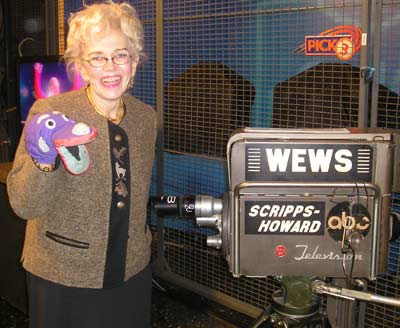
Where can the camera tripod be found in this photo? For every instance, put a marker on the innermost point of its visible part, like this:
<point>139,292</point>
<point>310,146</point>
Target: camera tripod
<point>298,304</point>
<point>293,306</point>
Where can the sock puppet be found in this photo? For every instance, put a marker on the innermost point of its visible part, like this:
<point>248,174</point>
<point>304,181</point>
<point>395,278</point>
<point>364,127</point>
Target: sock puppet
<point>51,134</point>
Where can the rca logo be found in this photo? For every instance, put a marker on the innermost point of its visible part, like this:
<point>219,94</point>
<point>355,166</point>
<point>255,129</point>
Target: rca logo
<point>340,41</point>
<point>280,251</point>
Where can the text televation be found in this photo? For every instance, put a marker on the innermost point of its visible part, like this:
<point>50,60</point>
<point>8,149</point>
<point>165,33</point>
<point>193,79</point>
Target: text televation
<point>284,218</point>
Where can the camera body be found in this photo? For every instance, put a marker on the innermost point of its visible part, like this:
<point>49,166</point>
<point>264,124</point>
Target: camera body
<point>305,202</point>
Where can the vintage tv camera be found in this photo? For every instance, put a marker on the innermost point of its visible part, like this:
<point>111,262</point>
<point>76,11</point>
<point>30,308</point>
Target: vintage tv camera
<point>306,202</point>
<point>302,202</point>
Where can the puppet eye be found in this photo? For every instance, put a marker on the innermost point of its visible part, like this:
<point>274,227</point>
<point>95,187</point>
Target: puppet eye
<point>50,124</point>
<point>65,117</point>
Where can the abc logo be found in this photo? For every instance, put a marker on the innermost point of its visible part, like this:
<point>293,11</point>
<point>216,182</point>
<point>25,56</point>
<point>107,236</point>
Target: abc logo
<point>344,49</point>
<point>350,217</point>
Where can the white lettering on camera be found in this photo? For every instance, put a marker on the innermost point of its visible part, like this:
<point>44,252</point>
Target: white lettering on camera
<point>319,160</point>
<point>286,218</point>
<point>282,211</point>
<point>309,253</point>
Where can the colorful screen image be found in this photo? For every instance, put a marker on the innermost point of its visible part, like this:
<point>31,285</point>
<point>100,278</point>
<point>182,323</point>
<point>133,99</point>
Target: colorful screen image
<point>42,77</point>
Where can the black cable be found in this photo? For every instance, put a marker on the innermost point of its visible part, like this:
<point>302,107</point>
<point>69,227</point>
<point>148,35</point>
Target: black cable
<point>366,195</point>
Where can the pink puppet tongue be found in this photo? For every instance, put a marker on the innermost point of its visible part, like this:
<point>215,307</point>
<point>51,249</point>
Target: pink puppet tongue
<point>65,138</point>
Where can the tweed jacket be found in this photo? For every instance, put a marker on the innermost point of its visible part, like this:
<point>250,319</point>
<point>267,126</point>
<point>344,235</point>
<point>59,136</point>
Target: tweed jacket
<point>76,208</point>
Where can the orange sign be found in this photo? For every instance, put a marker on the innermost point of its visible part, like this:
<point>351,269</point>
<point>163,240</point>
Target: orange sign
<point>340,41</point>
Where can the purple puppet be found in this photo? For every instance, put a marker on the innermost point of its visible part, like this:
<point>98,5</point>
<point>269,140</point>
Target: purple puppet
<point>52,133</point>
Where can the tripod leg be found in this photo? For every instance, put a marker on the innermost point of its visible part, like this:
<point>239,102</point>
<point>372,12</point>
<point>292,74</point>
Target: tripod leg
<point>262,317</point>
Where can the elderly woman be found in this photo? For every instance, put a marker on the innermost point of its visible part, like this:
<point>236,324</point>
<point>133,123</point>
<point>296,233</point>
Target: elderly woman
<point>87,246</point>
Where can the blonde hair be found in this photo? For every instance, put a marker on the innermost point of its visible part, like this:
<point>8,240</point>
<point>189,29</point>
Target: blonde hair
<point>95,21</point>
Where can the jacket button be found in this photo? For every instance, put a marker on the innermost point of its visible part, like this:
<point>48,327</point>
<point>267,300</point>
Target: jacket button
<point>120,204</point>
<point>118,138</point>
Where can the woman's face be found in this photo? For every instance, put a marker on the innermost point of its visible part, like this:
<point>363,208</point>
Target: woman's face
<point>108,83</point>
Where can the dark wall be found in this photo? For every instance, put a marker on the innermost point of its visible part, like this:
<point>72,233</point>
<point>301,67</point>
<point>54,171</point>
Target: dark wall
<point>12,275</point>
<point>22,33</point>
<point>326,96</point>
<point>203,106</point>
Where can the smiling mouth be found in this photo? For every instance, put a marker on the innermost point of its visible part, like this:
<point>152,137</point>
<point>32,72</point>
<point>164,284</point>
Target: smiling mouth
<point>111,81</point>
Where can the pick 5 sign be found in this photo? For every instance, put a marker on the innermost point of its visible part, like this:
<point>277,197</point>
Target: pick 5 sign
<point>341,41</point>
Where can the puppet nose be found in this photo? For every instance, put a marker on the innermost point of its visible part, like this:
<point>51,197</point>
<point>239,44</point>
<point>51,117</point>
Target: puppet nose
<point>80,129</point>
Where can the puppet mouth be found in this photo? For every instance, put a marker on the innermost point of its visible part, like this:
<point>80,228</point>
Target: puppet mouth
<point>74,153</point>
<point>75,158</point>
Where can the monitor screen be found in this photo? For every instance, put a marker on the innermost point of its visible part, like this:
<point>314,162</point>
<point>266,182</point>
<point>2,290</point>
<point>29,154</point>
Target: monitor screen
<point>41,77</point>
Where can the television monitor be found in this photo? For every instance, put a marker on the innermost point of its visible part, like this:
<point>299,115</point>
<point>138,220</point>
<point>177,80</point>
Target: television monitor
<point>41,77</point>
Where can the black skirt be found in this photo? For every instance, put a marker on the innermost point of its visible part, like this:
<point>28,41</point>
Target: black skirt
<point>55,306</point>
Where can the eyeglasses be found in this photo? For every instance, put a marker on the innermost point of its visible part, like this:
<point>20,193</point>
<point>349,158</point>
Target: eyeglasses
<point>118,59</point>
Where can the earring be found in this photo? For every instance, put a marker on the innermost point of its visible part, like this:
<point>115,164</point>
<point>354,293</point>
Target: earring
<point>131,82</point>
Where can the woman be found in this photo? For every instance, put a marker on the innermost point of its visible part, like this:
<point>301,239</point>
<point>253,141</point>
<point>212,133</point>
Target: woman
<point>87,247</point>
